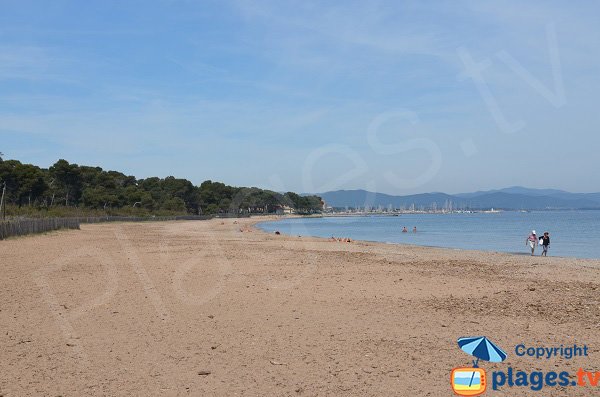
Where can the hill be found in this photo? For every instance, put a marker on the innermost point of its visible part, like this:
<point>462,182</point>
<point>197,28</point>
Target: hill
<point>513,198</point>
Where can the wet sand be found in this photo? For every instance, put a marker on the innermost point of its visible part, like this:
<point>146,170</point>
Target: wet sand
<point>217,308</point>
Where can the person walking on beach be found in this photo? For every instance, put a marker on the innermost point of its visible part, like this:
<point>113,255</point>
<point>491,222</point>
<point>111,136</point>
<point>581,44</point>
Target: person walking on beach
<point>532,240</point>
<point>545,243</point>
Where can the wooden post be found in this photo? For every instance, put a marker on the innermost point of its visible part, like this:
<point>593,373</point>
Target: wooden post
<point>2,205</point>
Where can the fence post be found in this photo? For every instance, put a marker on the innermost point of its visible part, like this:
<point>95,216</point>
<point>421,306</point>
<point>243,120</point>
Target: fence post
<point>2,205</point>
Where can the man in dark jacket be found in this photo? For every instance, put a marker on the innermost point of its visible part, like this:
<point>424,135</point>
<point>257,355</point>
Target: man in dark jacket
<point>545,243</point>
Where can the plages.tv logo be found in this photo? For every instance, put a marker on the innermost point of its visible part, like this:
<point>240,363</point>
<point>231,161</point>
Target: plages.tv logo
<point>471,381</point>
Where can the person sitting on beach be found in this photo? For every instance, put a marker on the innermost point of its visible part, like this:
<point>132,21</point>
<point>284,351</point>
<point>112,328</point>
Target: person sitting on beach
<point>545,243</point>
<point>404,230</point>
<point>532,241</point>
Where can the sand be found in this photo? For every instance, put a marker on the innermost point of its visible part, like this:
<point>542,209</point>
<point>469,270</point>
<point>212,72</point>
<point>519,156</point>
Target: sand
<point>201,308</point>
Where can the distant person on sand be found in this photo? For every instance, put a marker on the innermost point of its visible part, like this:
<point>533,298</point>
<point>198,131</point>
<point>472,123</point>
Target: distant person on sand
<point>414,229</point>
<point>404,230</point>
<point>545,243</point>
<point>532,240</point>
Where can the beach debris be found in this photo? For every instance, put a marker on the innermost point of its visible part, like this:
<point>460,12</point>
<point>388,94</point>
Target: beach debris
<point>341,239</point>
<point>277,362</point>
<point>211,316</point>
<point>277,232</point>
<point>204,373</point>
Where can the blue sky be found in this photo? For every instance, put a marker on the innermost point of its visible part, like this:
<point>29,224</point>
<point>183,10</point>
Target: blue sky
<point>396,97</point>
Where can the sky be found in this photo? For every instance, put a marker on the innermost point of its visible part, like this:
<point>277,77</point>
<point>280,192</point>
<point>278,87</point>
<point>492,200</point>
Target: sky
<point>398,97</point>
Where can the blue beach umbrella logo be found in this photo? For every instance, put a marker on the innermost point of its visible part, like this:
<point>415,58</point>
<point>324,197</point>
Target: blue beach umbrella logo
<point>471,381</point>
<point>481,348</point>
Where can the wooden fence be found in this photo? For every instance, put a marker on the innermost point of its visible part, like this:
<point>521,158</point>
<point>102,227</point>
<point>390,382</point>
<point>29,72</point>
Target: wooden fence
<point>21,227</point>
<point>101,219</point>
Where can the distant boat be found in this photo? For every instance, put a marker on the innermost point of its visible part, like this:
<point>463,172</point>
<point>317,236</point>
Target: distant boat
<point>492,211</point>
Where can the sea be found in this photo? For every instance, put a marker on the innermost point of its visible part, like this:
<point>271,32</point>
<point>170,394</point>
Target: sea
<point>572,233</point>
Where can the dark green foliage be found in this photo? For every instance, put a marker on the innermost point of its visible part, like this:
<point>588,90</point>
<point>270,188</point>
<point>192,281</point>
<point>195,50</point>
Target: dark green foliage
<point>68,185</point>
<point>25,183</point>
<point>66,180</point>
<point>304,204</point>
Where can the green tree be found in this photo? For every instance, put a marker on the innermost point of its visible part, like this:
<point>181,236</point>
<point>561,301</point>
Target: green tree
<point>174,204</point>
<point>94,188</point>
<point>8,175</point>
<point>68,180</point>
<point>30,184</point>
<point>147,201</point>
<point>100,198</point>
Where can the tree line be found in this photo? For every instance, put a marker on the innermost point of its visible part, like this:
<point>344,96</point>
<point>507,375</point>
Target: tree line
<point>67,185</point>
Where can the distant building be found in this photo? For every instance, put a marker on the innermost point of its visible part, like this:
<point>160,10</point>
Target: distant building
<point>284,210</point>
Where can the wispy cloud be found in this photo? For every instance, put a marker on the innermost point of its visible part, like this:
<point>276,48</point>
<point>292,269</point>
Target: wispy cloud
<point>265,80</point>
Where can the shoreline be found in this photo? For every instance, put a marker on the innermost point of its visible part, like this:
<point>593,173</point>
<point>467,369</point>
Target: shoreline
<point>202,308</point>
<point>516,254</point>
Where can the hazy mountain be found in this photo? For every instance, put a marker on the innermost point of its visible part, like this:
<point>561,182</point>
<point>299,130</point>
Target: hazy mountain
<point>512,198</point>
<point>522,201</point>
<point>362,198</point>
<point>518,190</point>
<point>580,200</point>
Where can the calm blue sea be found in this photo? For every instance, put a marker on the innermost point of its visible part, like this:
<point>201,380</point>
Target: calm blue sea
<point>572,233</point>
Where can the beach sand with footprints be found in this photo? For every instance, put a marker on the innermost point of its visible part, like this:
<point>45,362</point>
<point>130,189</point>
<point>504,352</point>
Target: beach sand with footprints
<point>219,308</point>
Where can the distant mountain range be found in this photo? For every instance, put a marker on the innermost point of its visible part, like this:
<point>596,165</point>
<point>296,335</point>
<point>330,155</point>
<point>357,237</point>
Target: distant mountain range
<point>512,198</point>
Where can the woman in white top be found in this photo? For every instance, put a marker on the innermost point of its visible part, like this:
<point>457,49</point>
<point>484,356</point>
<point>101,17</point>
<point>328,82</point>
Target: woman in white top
<point>532,240</point>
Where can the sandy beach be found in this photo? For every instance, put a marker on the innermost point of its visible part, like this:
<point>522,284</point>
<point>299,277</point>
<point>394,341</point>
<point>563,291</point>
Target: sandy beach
<point>219,308</point>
